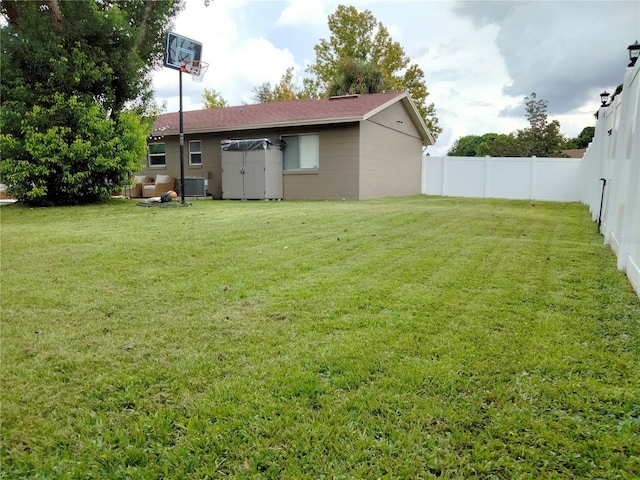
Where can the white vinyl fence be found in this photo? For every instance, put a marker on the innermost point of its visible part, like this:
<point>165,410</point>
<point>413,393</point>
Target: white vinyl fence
<point>607,178</point>
<point>554,179</point>
<point>611,175</point>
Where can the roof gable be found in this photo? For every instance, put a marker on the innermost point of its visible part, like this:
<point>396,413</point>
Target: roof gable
<point>348,108</point>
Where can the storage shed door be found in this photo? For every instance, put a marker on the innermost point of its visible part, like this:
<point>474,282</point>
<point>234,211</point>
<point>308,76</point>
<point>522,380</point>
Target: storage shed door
<point>232,177</point>
<point>254,186</point>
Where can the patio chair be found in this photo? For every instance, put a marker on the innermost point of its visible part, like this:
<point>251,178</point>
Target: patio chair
<point>163,183</point>
<point>135,190</point>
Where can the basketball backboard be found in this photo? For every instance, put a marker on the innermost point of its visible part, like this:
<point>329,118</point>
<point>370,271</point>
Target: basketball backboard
<point>180,50</point>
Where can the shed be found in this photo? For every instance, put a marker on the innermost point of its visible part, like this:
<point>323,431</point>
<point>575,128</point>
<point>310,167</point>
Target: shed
<point>251,169</point>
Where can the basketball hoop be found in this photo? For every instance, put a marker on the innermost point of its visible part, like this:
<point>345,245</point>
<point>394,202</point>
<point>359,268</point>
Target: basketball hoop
<point>196,68</point>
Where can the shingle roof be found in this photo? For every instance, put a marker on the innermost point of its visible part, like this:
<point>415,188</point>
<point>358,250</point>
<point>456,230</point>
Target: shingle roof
<point>349,108</point>
<point>575,152</point>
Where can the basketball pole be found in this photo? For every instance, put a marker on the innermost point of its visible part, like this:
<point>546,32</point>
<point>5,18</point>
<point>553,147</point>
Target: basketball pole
<point>181,144</point>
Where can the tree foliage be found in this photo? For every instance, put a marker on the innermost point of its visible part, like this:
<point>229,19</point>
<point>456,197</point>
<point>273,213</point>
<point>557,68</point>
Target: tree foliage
<point>542,138</point>
<point>213,99</point>
<point>358,39</point>
<point>286,89</point>
<point>582,140</point>
<point>492,144</point>
<point>356,76</point>
<point>499,145</point>
<point>466,146</point>
<point>261,93</point>
<point>75,88</point>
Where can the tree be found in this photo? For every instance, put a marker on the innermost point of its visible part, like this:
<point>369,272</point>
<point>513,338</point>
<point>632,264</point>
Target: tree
<point>585,137</point>
<point>285,90</point>
<point>542,138</point>
<point>356,76</point>
<point>357,38</point>
<point>498,145</point>
<point>262,93</point>
<point>213,99</point>
<point>492,144</point>
<point>465,146</point>
<point>75,92</point>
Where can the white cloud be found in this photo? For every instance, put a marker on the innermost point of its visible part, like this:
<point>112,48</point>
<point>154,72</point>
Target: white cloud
<point>303,12</point>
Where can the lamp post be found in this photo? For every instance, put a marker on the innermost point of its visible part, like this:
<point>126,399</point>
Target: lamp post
<point>603,98</point>
<point>634,53</point>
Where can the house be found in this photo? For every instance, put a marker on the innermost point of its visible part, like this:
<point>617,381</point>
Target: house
<point>349,147</point>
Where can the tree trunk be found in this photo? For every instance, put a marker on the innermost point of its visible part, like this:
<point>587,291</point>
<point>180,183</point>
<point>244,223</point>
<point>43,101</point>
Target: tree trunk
<point>142,28</point>
<point>12,10</point>
<point>55,14</point>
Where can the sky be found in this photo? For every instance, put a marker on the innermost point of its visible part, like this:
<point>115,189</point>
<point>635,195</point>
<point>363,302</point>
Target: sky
<point>480,58</point>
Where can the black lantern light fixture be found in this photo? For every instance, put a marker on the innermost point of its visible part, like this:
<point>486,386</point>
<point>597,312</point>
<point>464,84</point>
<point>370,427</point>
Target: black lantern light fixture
<point>634,53</point>
<point>604,96</point>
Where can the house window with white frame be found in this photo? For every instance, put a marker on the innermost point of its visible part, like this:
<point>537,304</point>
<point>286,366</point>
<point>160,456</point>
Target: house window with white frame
<point>157,157</point>
<point>195,152</point>
<point>301,152</point>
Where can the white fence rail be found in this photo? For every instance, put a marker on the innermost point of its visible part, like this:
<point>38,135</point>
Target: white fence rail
<point>554,179</point>
<point>611,175</point>
<point>607,179</point>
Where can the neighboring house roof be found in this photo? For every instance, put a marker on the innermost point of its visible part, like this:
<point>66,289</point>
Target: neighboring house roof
<point>344,109</point>
<point>575,152</point>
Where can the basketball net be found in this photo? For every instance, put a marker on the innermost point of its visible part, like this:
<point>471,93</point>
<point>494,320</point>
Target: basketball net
<point>197,69</point>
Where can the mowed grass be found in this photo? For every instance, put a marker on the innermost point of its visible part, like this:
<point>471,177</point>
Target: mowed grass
<point>398,338</point>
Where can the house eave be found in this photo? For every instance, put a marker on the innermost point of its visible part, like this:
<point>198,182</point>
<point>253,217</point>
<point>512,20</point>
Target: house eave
<point>425,134</point>
<point>263,126</point>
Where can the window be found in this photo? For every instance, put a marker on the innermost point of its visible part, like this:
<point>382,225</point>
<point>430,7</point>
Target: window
<point>195,152</point>
<point>301,152</point>
<point>156,155</point>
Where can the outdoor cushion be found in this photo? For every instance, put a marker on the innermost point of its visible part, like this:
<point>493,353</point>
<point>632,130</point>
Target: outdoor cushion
<point>162,178</point>
<point>140,178</point>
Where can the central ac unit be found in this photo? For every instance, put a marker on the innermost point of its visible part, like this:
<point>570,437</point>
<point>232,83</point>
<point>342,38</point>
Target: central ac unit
<point>195,186</point>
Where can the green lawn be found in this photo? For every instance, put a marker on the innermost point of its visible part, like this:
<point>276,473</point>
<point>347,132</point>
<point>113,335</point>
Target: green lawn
<point>399,338</point>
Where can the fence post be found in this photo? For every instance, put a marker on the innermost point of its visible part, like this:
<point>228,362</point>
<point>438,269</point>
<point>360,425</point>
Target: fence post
<point>444,177</point>
<point>486,176</point>
<point>532,179</point>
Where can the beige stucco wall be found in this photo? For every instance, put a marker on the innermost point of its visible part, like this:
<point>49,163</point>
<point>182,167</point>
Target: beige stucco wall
<point>391,155</point>
<point>337,175</point>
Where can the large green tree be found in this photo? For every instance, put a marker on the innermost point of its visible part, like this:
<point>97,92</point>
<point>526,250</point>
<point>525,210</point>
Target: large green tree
<point>75,91</point>
<point>357,38</point>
